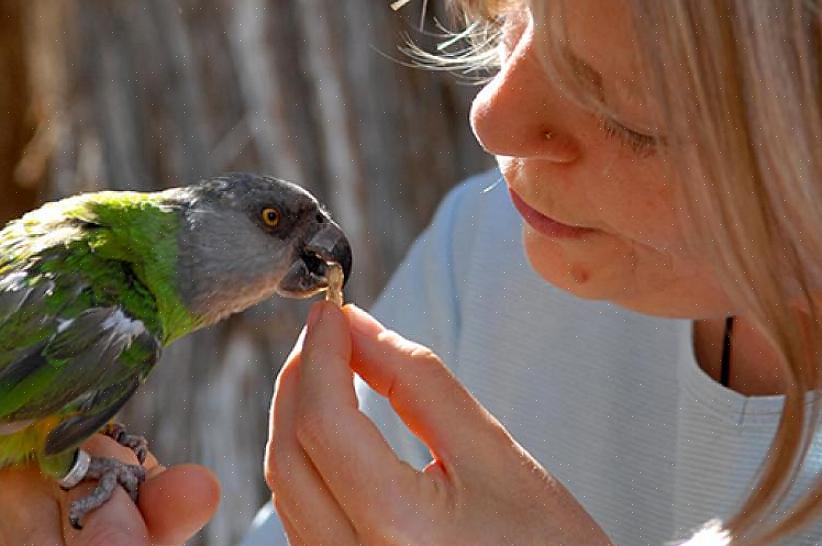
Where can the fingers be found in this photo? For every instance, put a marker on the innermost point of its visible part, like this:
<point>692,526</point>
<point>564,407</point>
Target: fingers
<point>345,447</point>
<point>178,502</point>
<point>35,509</point>
<point>174,504</point>
<point>423,392</point>
<point>29,512</point>
<point>308,510</point>
<point>291,532</point>
<point>118,521</point>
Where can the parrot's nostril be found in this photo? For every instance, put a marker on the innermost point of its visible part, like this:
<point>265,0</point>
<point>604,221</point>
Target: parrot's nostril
<point>320,218</point>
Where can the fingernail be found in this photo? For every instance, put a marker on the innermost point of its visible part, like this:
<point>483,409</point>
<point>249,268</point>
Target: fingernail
<point>315,314</point>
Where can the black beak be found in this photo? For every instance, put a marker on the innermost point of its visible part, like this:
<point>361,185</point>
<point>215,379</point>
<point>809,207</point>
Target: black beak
<point>308,274</point>
<point>328,245</point>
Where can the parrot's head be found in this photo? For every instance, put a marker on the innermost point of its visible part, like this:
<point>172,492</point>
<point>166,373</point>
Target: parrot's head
<point>245,237</point>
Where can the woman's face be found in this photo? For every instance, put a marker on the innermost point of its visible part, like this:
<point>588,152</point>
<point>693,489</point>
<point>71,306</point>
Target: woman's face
<point>600,218</point>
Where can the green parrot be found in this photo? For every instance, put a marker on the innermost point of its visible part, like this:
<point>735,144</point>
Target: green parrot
<point>92,287</point>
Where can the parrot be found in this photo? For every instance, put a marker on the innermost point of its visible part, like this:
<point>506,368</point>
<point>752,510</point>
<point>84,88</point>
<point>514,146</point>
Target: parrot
<point>94,286</point>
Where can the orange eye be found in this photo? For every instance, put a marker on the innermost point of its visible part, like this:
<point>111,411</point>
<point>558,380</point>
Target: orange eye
<point>270,216</point>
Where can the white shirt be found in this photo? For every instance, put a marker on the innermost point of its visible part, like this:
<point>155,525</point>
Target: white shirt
<point>611,402</point>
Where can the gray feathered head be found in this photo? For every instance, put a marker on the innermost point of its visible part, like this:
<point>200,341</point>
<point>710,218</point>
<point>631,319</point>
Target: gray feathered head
<point>245,237</point>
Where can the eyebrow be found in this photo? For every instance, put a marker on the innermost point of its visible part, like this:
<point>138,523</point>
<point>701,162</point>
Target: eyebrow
<point>595,78</point>
<point>588,72</point>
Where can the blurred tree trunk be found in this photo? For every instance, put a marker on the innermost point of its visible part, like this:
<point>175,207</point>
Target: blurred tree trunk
<point>145,95</point>
<point>16,123</point>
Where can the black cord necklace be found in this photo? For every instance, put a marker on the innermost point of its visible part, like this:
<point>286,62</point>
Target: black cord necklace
<point>725,372</point>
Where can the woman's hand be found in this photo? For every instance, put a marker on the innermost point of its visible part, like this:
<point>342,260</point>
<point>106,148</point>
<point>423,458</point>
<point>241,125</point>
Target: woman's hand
<point>337,482</point>
<point>174,504</point>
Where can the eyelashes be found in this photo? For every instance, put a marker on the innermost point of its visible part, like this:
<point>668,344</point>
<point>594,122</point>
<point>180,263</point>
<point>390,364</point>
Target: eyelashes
<point>641,144</point>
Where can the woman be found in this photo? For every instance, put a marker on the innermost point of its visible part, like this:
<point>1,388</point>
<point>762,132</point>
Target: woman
<point>662,158</point>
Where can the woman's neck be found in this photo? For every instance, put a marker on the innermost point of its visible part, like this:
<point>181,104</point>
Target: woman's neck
<point>754,368</point>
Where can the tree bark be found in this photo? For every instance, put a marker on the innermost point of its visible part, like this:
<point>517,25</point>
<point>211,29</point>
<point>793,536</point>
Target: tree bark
<point>18,165</point>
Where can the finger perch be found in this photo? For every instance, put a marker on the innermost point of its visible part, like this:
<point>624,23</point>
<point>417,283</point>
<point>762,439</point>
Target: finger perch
<point>109,473</point>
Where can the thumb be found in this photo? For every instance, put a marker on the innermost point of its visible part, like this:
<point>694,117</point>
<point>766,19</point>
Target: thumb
<point>424,393</point>
<point>178,501</point>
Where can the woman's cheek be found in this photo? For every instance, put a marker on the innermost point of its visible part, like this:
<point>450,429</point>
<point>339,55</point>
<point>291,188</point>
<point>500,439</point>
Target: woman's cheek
<point>636,201</point>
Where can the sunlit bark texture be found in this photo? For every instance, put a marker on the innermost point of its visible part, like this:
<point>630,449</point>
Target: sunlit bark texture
<point>144,95</point>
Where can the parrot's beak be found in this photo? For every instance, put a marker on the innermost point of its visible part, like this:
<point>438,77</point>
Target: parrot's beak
<point>308,274</point>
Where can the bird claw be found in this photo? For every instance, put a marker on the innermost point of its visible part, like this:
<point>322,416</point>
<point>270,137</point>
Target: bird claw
<point>118,433</point>
<point>109,473</point>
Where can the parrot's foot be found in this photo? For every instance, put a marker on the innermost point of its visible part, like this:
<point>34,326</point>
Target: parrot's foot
<point>110,473</point>
<point>136,443</point>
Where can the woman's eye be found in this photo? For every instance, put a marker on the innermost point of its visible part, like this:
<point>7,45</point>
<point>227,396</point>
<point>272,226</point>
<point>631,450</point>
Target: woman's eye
<point>640,143</point>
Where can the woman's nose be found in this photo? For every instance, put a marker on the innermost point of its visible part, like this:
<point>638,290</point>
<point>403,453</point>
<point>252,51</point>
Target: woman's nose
<point>516,114</point>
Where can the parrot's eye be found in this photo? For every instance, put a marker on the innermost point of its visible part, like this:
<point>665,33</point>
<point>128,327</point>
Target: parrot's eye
<point>270,216</point>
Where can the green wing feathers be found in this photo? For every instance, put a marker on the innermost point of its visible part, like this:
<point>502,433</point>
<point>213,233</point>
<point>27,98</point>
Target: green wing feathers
<point>78,333</point>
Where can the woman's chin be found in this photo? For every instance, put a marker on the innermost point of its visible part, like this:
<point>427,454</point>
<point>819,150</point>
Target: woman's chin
<point>610,270</point>
<point>576,280</point>
<point>556,264</point>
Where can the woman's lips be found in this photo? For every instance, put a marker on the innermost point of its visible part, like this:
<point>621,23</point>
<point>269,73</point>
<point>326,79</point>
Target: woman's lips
<point>546,225</point>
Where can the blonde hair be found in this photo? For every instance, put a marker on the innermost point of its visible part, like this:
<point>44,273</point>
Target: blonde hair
<point>739,83</point>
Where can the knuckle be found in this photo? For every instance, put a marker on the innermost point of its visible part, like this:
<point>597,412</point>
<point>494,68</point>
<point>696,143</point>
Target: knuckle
<point>425,367</point>
<point>424,354</point>
<point>404,514</point>
<point>271,478</point>
<point>423,359</point>
<point>313,426</point>
<point>286,377</point>
<point>426,362</point>
<point>270,471</point>
<point>275,470</point>
<point>276,464</point>
<point>412,349</point>
<point>398,525</point>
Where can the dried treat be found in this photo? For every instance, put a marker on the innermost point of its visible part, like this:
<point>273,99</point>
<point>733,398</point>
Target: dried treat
<point>334,292</point>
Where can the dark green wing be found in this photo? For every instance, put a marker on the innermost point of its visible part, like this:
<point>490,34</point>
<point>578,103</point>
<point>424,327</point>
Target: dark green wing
<point>93,412</point>
<point>91,352</point>
<point>67,345</point>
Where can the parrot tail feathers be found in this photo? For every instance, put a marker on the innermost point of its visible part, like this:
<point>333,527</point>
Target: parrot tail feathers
<point>74,430</point>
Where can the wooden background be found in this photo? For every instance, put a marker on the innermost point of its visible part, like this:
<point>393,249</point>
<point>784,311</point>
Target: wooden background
<point>144,95</point>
